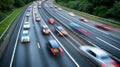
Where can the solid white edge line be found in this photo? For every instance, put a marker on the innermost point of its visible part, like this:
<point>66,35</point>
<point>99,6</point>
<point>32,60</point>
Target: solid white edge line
<point>13,54</point>
<point>108,43</point>
<point>38,45</point>
<point>65,50</point>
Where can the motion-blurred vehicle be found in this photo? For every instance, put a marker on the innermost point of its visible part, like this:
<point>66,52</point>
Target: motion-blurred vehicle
<point>45,29</point>
<point>77,28</point>
<point>37,19</point>
<point>104,27</point>
<point>51,6</point>
<point>51,21</point>
<point>60,31</point>
<point>100,56</point>
<point>26,25</point>
<point>60,9</point>
<point>71,14</point>
<point>83,19</point>
<point>25,36</point>
<point>54,47</point>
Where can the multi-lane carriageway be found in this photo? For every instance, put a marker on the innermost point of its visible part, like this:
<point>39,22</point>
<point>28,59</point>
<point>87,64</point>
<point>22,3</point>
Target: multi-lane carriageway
<point>36,54</point>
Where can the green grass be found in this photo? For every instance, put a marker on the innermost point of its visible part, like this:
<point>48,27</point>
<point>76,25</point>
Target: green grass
<point>88,16</point>
<point>10,19</point>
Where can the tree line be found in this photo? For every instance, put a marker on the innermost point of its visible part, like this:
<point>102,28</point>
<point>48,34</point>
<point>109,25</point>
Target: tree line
<point>7,6</point>
<point>102,8</point>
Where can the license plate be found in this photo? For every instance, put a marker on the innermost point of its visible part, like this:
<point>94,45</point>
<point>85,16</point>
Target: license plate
<point>56,50</point>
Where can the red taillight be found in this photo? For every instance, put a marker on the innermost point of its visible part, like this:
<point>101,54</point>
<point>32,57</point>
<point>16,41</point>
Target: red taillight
<point>61,51</point>
<point>103,65</point>
<point>43,30</point>
<point>52,50</point>
<point>116,64</point>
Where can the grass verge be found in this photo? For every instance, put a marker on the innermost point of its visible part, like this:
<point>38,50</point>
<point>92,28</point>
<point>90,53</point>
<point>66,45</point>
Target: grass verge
<point>9,20</point>
<point>87,15</point>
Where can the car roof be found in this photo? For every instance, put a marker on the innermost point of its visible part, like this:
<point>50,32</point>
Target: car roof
<point>26,22</point>
<point>97,51</point>
<point>53,43</point>
<point>45,26</point>
<point>25,31</point>
<point>59,27</point>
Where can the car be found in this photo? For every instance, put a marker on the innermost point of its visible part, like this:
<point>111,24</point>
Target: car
<point>60,31</point>
<point>27,14</point>
<point>56,6</point>
<point>54,47</point>
<point>28,10</point>
<point>104,27</point>
<point>51,21</point>
<point>39,6</point>
<point>37,18</point>
<point>71,14</point>
<point>26,25</point>
<point>60,9</point>
<point>83,19</point>
<point>51,6</point>
<point>45,29</point>
<point>77,28</point>
<point>101,56</point>
<point>25,36</point>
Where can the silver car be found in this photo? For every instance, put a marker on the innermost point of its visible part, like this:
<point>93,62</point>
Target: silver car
<point>100,56</point>
<point>25,36</point>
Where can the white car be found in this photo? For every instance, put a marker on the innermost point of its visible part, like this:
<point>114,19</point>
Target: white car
<point>27,14</point>
<point>25,36</point>
<point>101,56</point>
<point>26,26</point>
<point>71,14</point>
<point>60,9</point>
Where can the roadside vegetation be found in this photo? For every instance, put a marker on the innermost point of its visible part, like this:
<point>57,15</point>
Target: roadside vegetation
<point>102,8</point>
<point>8,6</point>
<point>9,9</point>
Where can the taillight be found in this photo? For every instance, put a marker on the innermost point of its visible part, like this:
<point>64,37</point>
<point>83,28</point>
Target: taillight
<point>61,51</point>
<point>103,65</point>
<point>43,30</point>
<point>52,50</point>
<point>116,64</point>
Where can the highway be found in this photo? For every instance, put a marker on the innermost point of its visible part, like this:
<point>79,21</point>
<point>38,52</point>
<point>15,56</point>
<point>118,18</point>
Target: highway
<point>37,54</point>
<point>103,39</point>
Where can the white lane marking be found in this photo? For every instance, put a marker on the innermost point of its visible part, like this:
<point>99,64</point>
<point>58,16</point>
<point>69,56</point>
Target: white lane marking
<point>13,54</point>
<point>107,43</point>
<point>63,48</point>
<point>66,51</point>
<point>38,45</point>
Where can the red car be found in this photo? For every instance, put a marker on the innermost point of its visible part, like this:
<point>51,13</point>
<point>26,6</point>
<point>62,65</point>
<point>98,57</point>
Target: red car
<point>51,21</point>
<point>54,47</point>
<point>104,27</point>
